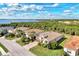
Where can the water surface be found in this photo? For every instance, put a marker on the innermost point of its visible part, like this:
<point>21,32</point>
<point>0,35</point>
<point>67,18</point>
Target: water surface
<point>7,21</point>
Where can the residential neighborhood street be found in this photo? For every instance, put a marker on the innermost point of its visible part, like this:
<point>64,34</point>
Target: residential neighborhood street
<point>14,48</point>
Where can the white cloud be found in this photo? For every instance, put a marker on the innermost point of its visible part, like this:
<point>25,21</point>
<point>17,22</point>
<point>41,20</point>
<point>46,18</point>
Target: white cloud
<point>12,4</point>
<point>55,5</point>
<point>35,7</point>
<point>67,11</point>
<point>72,8</point>
<point>32,7</point>
<point>25,7</point>
<point>39,7</point>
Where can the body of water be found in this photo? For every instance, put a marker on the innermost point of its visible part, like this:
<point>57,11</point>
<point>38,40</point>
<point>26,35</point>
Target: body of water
<point>7,21</point>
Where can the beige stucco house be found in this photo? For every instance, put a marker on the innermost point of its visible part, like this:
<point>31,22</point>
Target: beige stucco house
<point>71,47</point>
<point>35,31</point>
<point>49,36</point>
<point>29,31</point>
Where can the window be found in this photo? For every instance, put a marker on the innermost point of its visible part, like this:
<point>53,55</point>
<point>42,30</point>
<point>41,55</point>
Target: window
<point>68,51</point>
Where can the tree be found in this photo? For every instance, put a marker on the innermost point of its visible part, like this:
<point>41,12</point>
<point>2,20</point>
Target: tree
<point>52,45</point>
<point>32,35</point>
<point>3,32</point>
<point>25,40</point>
<point>19,33</point>
<point>10,35</point>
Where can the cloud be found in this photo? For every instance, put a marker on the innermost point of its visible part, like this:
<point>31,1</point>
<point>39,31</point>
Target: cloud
<point>12,4</point>
<point>55,5</point>
<point>67,11</point>
<point>39,7</point>
<point>35,7</point>
<point>72,8</point>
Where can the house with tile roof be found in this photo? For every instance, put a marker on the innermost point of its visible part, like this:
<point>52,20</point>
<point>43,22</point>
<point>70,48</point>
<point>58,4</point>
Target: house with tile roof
<point>71,47</point>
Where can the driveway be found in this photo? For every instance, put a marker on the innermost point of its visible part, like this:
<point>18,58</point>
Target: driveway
<point>14,48</point>
<point>31,45</point>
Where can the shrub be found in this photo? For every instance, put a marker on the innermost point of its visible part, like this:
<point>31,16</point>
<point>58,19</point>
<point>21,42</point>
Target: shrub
<point>52,45</point>
<point>19,33</point>
<point>10,36</point>
<point>3,32</point>
<point>25,39</point>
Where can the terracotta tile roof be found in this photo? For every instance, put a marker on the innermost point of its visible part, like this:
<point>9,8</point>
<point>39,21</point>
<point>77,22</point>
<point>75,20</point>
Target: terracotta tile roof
<point>73,43</point>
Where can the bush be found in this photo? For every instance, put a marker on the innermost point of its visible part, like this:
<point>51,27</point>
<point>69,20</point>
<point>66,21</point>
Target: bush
<point>10,36</point>
<point>44,45</point>
<point>52,45</point>
<point>23,41</point>
<point>19,33</point>
<point>3,32</point>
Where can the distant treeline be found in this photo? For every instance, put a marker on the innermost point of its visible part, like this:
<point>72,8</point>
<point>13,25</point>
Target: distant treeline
<point>49,25</point>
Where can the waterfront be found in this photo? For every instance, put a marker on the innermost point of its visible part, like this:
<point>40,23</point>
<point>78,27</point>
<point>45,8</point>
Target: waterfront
<point>7,21</point>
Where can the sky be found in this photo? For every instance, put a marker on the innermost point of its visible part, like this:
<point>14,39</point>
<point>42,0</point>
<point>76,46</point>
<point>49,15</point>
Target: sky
<point>39,10</point>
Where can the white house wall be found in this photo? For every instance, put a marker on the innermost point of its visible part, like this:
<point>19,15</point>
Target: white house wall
<point>72,52</point>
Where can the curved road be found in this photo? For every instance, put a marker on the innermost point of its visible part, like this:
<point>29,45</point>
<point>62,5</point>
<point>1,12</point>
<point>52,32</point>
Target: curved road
<point>14,48</point>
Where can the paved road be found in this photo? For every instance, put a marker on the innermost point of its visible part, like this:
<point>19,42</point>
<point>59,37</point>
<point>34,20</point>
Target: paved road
<point>14,48</point>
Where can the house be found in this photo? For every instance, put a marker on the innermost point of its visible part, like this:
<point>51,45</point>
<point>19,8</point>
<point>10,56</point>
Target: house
<point>47,37</point>
<point>71,47</point>
<point>22,28</point>
<point>8,28</point>
<point>31,31</point>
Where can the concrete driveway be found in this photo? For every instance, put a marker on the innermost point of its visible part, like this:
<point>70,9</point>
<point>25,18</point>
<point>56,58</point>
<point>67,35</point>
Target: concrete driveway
<point>14,48</point>
<point>31,45</point>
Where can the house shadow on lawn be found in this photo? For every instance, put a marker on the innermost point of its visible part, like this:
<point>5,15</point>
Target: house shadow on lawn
<point>59,47</point>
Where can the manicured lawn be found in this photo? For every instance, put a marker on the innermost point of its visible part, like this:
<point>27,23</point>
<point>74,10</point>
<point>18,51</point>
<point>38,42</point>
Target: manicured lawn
<point>40,51</point>
<point>67,36</point>
<point>9,38</point>
<point>4,48</point>
<point>20,42</point>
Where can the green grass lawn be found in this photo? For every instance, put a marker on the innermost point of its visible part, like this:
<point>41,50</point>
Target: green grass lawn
<point>20,42</point>
<point>41,51</point>
<point>4,48</point>
<point>67,36</point>
<point>9,38</point>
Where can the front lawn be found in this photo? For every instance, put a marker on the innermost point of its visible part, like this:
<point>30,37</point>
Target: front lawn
<point>67,36</point>
<point>20,42</point>
<point>23,41</point>
<point>10,36</point>
<point>41,51</point>
<point>4,48</point>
